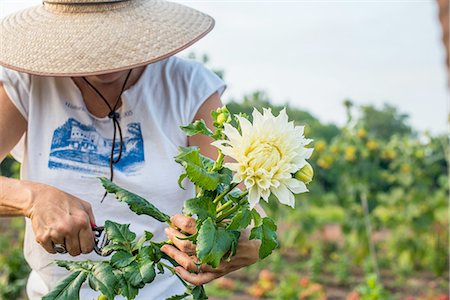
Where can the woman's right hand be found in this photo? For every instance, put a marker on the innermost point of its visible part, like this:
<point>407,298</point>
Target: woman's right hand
<point>60,218</point>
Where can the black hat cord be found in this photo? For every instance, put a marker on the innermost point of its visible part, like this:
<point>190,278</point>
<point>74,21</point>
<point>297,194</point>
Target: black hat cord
<point>114,116</point>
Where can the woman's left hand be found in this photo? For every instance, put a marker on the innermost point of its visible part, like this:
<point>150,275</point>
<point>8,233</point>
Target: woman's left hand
<point>183,252</point>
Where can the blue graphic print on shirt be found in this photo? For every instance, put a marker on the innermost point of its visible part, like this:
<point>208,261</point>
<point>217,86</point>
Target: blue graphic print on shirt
<point>81,148</point>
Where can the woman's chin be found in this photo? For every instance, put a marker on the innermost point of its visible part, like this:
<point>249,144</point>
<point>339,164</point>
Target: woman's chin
<point>107,78</point>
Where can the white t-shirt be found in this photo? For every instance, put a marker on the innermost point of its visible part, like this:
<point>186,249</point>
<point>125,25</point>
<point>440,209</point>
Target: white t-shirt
<point>67,147</point>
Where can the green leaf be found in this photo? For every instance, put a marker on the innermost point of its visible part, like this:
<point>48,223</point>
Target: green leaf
<point>198,293</point>
<point>132,274</point>
<point>146,237</point>
<point>234,244</point>
<point>126,289</point>
<point>180,180</point>
<point>68,288</point>
<point>115,247</point>
<point>207,162</point>
<point>178,297</point>
<point>257,220</point>
<point>203,207</point>
<point>213,243</point>
<point>241,220</point>
<point>226,176</point>
<point>136,203</point>
<point>119,233</point>
<point>160,268</point>
<point>103,279</point>
<point>267,234</point>
<point>157,253</point>
<point>198,127</point>
<point>146,264</point>
<point>192,237</point>
<point>195,170</point>
<point>74,266</point>
<point>121,259</point>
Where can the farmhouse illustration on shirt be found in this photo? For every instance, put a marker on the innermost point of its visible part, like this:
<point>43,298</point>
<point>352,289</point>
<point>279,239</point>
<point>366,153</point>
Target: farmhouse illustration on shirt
<point>81,148</point>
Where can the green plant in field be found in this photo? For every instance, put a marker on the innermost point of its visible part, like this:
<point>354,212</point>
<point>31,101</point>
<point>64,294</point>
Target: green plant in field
<point>9,167</point>
<point>371,289</point>
<point>341,268</point>
<point>13,268</point>
<point>292,286</point>
<point>316,262</point>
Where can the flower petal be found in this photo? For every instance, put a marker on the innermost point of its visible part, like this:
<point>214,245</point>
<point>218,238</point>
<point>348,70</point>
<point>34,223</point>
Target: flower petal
<point>246,126</point>
<point>253,196</point>
<point>296,186</point>
<point>257,117</point>
<point>282,116</point>
<point>231,133</point>
<point>265,194</point>
<point>284,195</point>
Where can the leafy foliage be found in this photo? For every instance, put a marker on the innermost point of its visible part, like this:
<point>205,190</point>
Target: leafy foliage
<point>69,288</point>
<point>266,232</point>
<point>136,203</point>
<point>195,170</point>
<point>198,127</point>
<point>213,243</point>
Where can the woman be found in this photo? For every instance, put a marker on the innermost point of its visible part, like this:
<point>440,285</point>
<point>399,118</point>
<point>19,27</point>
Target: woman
<point>92,89</point>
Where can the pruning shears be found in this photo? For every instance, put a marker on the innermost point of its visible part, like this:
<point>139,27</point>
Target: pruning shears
<point>101,240</point>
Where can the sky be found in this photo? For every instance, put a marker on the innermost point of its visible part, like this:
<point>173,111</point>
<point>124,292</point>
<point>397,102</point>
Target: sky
<point>314,54</point>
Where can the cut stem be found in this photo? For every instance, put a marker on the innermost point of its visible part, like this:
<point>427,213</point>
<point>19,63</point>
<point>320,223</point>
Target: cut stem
<point>225,192</point>
<point>226,213</point>
<point>218,163</point>
<point>225,206</point>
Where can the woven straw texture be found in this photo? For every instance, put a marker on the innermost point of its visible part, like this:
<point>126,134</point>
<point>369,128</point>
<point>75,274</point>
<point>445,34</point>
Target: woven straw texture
<point>58,39</point>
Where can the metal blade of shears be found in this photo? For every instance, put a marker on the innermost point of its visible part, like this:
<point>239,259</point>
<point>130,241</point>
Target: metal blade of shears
<point>101,240</point>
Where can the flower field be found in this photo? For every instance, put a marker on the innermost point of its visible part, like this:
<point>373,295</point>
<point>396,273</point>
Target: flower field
<point>373,226</point>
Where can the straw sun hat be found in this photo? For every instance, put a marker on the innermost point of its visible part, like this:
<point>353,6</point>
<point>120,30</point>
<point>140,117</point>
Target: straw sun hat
<point>89,37</point>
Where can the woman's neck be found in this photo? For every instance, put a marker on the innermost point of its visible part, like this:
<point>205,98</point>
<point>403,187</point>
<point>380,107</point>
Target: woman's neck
<point>109,85</point>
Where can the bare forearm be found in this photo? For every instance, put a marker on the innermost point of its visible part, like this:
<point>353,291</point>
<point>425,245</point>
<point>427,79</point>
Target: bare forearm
<point>15,196</point>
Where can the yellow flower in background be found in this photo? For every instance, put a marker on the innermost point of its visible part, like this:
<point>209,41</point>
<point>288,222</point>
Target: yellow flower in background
<point>388,154</point>
<point>350,153</point>
<point>334,149</point>
<point>361,133</point>
<point>372,145</point>
<point>320,146</point>
<point>267,153</point>
<point>405,168</point>
<point>325,162</point>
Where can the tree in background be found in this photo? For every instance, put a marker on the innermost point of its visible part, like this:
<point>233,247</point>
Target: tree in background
<point>385,122</point>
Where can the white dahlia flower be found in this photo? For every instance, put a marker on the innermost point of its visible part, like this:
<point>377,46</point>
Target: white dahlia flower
<point>267,154</point>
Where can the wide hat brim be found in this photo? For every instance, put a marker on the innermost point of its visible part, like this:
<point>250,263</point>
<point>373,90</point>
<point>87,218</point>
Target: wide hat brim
<point>64,41</point>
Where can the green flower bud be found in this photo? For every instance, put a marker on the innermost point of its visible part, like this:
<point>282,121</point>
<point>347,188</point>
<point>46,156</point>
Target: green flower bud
<point>102,297</point>
<point>221,118</point>
<point>305,174</point>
